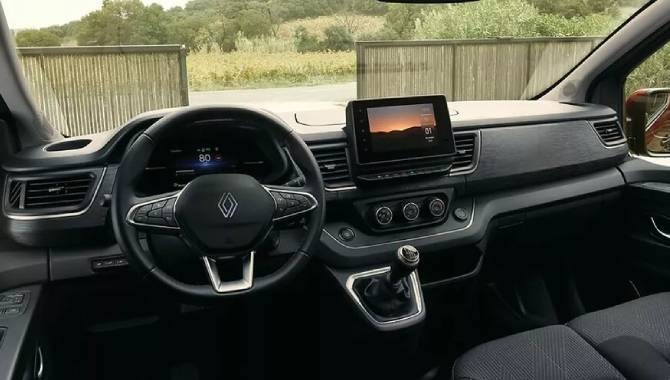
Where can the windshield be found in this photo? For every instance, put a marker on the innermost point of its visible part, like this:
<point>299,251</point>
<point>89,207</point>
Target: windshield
<point>292,55</point>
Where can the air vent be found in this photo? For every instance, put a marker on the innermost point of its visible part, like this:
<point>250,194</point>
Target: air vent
<point>332,159</point>
<point>57,192</point>
<point>15,192</point>
<point>466,152</point>
<point>610,132</point>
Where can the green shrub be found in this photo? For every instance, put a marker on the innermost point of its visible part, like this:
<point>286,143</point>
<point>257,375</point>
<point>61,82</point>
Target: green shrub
<point>37,37</point>
<point>305,41</point>
<point>337,39</point>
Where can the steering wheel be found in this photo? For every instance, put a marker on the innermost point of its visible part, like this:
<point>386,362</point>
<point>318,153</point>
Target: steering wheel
<point>218,216</point>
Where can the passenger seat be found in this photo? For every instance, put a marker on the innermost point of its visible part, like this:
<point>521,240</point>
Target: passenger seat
<point>631,340</point>
<point>549,353</point>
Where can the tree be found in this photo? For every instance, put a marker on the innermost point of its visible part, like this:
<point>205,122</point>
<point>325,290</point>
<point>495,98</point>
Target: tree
<point>401,20</point>
<point>123,22</point>
<point>254,23</point>
<point>37,37</point>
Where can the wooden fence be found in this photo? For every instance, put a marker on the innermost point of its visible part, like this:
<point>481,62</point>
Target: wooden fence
<point>84,90</point>
<point>466,69</point>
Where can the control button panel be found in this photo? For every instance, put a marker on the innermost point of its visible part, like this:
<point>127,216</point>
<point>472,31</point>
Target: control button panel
<point>159,213</point>
<point>411,211</point>
<point>290,204</point>
<point>13,304</point>
<point>105,263</point>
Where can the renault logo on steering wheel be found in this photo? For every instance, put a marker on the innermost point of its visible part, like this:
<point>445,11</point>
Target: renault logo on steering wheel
<point>228,205</point>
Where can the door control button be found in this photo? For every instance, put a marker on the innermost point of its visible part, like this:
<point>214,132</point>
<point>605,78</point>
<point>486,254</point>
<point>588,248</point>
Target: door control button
<point>347,234</point>
<point>461,214</point>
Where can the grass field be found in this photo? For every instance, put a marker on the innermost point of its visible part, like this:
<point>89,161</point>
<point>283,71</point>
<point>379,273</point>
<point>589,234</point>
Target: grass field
<point>219,71</point>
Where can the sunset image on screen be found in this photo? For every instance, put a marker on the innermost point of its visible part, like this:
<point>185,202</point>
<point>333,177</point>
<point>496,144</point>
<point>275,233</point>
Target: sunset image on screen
<point>400,118</point>
<point>398,128</point>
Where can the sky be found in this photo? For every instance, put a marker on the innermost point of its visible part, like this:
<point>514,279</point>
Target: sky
<point>23,14</point>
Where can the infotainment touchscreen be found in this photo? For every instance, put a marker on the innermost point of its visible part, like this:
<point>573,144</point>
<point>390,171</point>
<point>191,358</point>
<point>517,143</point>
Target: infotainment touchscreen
<point>400,128</point>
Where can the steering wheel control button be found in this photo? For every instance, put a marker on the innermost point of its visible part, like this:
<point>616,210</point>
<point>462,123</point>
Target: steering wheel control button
<point>461,214</point>
<point>291,204</point>
<point>383,215</point>
<point>347,234</point>
<point>437,207</point>
<point>410,211</point>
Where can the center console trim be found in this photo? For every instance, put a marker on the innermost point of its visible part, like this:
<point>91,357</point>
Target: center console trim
<point>408,240</point>
<point>416,291</point>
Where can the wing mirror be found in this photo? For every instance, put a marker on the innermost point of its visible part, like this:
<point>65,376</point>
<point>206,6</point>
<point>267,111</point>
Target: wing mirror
<point>648,120</point>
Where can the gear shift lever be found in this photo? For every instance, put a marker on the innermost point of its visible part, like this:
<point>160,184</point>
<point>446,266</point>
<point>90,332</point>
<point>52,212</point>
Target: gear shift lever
<point>407,260</point>
<point>390,295</point>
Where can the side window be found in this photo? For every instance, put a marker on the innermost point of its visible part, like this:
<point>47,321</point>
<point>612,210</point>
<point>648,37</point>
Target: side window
<point>647,121</point>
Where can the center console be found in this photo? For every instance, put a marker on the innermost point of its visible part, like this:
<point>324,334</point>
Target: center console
<point>393,143</point>
<point>399,140</point>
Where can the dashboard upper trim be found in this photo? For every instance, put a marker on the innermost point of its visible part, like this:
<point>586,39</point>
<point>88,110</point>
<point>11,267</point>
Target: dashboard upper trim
<point>407,240</point>
<point>58,215</point>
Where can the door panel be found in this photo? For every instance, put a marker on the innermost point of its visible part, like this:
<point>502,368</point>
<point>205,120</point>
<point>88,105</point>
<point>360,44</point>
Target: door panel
<point>647,228</point>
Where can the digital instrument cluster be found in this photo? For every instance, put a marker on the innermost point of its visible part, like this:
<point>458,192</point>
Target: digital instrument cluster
<point>211,149</point>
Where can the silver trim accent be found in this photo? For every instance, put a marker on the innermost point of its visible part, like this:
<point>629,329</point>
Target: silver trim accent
<point>39,364</point>
<point>377,216</point>
<point>475,156</point>
<point>60,215</point>
<point>244,283</point>
<point>417,213</point>
<point>336,189</point>
<point>132,222</point>
<point>395,242</point>
<point>315,204</point>
<point>658,230</point>
<point>416,291</point>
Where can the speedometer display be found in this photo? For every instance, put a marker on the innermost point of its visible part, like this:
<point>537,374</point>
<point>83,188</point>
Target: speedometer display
<point>201,158</point>
<point>210,150</point>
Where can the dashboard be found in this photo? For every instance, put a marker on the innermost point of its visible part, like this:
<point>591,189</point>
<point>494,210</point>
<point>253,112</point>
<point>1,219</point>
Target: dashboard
<point>508,157</point>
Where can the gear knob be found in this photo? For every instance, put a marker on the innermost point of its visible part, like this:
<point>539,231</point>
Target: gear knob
<point>406,261</point>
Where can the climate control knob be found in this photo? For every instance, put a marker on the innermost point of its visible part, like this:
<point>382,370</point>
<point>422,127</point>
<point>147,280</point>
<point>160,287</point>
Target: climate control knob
<point>436,207</point>
<point>410,211</point>
<point>383,215</point>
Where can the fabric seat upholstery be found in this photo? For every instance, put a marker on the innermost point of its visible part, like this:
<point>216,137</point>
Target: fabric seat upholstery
<point>551,353</point>
<point>646,318</point>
